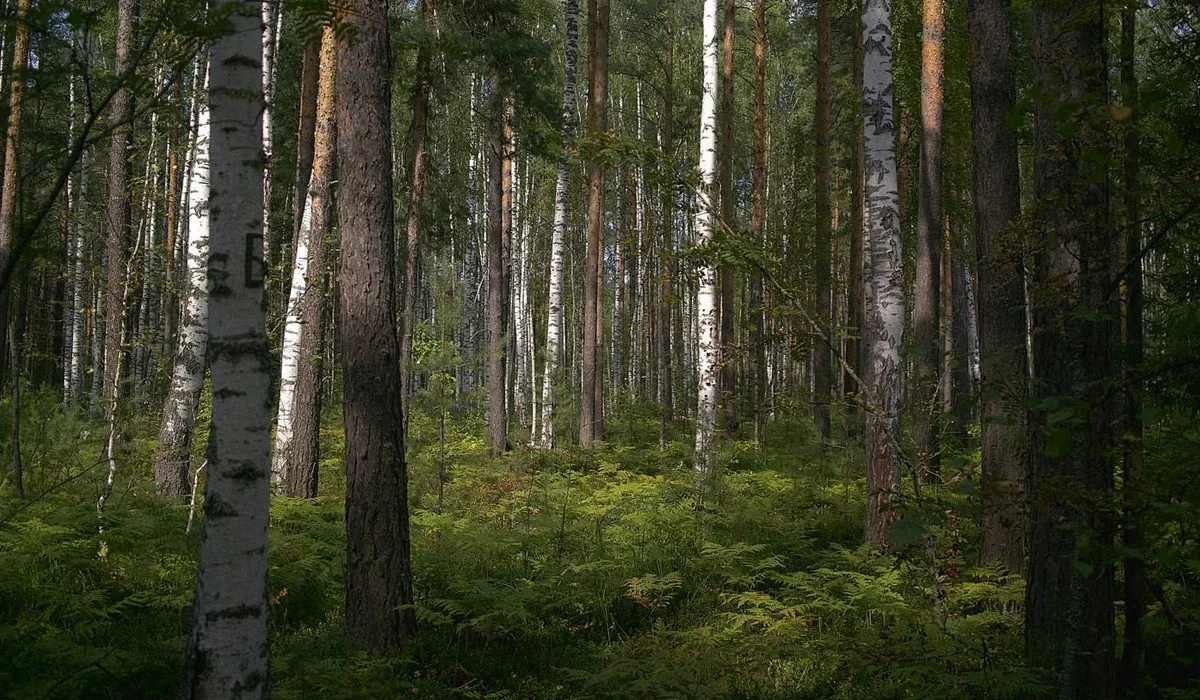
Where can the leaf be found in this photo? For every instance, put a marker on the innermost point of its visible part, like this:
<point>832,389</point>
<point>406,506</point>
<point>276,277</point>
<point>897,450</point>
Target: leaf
<point>906,531</point>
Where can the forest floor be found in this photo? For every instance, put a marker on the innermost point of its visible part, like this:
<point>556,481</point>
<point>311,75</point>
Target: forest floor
<point>553,574</point>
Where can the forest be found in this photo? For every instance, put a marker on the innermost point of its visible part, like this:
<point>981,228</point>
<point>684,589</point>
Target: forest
<point>507,349</point>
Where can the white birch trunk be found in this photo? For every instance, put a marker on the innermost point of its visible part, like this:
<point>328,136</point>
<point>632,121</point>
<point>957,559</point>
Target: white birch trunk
<point>554,323</point>
<point>706,292</point>
<point>187,373</point>
<point>228,648</point>
<point>78,268</point>
<point>272,14</point>
<point>290,356</point>
<point>885,279</point>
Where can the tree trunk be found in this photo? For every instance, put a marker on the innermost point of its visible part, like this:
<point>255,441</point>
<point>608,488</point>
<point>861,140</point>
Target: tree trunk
<point>855,294</point>
<point>824,306</point>
<point>669,191</point>
<point>926,324</point>
<point>1069,628</point>
<point>885,306</point>
<point>117,231</point>
<point>187,376</point>
<point>228,647</point>
<point>302,469</point>
<point>591,396</point>
<point>1130,672</point>
<point>1004,368</point>
<point>497,290</point>
<point>758,175</point>
<point>310,78</point>
<point>304,274</point>
<point>11,176</point>
<point>706,293</point>
<point>412,248</point>
<point>554,322</point>
<point>728,377</point>
<point>379,564</point>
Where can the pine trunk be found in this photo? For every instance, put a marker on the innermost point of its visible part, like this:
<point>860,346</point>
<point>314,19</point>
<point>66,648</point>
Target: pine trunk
<point>822,371</point>
<point>379,563</point>
<point>591,395</point>
<point>926,322</point>
<point>1069,626</point>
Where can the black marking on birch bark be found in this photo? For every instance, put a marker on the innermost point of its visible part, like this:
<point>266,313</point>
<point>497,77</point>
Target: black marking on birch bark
<point>256,267</point>
<point>236,612</point>
<point>218,507</point>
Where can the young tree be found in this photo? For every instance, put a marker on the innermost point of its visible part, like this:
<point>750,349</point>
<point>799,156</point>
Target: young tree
<point>178,425</point>
<point>706,294</point>
<point>554,322</point>
<point>1069,626</point>
<point>591,400</point>
<point>929,239</point>
<point>228,648</point>
<point>378,559</point>
<point>885,278</point>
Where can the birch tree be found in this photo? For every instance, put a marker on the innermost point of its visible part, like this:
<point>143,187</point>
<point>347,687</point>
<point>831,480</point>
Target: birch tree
<point>562,178</point>
<point>706,294</point>
<point>227,650</point>
<point>187,375</point>
<point>885,277</point>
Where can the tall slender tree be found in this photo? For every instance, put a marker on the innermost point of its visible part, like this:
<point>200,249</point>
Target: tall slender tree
<point>758,176</point>
<point>822,374</point>
<point>416,197</point>
<point>379,564</point>
<point>305,455</point>
<point>725,178</point>
<point>117,220</point>
<point>178,425</point>
<point>1004,367</point>
<point>591,425</point>
<point>228,647</point>
<point>1069,626</point>
<point>1130,672</point>
<point>885,300</point>
<point>497,294</point>
<point>9,189</point>
<point>707,309</point>
<point>929,240</point>
<point>562,179</point>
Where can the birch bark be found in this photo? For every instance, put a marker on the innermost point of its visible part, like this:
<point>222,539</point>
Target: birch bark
<point>228,649</point>
<point>554,321</point>
<point>187,375</point>
<point>706,293</point>
<point>885,305</point>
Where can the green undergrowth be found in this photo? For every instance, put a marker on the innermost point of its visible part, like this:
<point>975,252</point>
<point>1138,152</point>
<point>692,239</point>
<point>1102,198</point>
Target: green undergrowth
<point>546,574</point>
